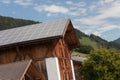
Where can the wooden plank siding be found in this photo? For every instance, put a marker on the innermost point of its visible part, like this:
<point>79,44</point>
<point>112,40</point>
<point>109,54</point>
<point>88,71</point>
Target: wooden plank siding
<point>62,52</point>
<point>37,52</point>
<point>71,38</point>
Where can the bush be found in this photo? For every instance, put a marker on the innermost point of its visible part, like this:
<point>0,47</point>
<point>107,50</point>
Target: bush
<point>102,65</point>
<point>84,49</point>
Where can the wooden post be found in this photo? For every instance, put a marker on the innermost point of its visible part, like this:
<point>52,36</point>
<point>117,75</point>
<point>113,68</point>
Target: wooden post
<point>18,52</point>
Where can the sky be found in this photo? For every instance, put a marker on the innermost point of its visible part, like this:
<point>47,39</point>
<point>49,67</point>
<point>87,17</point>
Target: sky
<point>99,17</point>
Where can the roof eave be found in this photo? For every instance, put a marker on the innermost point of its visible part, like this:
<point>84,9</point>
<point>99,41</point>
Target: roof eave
<point>31,42</point>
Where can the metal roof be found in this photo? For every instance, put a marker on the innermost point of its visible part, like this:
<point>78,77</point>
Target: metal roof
<point>79,59</point>
<point>14,71</point>
<point>33,32</point>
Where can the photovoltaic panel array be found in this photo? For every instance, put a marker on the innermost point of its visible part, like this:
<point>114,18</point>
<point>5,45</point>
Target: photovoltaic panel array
<point>33,32</point>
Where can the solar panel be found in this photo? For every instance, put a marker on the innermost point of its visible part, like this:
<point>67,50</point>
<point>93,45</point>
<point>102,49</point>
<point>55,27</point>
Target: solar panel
<point>32,32</point>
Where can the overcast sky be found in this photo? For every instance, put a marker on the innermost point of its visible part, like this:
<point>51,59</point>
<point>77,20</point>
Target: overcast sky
<point>100,17</point>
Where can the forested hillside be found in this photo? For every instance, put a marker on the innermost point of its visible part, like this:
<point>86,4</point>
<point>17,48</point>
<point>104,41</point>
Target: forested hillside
<point>117,41</point>
<point>95,41</point>
<point>9,22</point>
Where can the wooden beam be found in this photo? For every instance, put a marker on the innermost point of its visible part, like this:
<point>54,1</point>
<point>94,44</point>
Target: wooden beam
<point>30,78</point>
<point>18,54</point>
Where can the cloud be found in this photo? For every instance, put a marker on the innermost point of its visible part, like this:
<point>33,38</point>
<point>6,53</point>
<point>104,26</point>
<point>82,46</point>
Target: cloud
<point>111,12</point>
<point>51,9</point>
<point>69,2</point>
<point>18,2</point>
<point>103,19</point>
<point>23,2</point>
<point>74,9</point>
<point>109,27</point>
<point>77,4</point>
<point>91,21</point>
<point>77,11</point>
<point>103,2</point>
<point>92,7</point>
<point>68,8</point>
<point>51,14</point>
<point>99,30</point>
<point>103,16</point>
<point>6,1</point>
<point>59,10</point>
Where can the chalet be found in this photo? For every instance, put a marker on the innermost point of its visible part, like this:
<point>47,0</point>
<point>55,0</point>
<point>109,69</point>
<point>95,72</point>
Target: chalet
<point>41,50</point>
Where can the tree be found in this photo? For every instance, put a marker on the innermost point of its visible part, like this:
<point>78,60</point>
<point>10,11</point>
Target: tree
<point>84,49</point>
<point>102,65</point>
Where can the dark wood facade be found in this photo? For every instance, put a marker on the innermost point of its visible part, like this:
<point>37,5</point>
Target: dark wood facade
<point>50,47</point>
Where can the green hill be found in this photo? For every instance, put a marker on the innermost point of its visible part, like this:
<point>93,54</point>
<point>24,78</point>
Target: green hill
<point>9,22</point>
<point>85,39</point>
<point>117,41</point>
<point>92,42</point>
<point>95,41</point>
<point>88,41</point>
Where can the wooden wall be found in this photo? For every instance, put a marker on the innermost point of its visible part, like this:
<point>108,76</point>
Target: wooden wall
<point>71,38</point>
<point>62,52</point>
<point>38,52</point>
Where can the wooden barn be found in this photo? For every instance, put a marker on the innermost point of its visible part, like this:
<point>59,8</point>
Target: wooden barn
<point>44,48</point>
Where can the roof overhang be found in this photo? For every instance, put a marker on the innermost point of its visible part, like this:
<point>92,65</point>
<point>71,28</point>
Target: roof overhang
<point>70,36</point>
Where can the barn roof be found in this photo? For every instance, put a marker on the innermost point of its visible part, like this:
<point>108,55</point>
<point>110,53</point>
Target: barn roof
<point>35,32</point>
<point>14,71</point>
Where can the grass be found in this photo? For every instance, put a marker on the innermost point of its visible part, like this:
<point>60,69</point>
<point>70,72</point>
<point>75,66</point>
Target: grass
<point>87,41</point>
